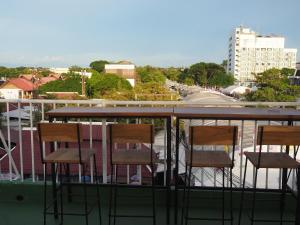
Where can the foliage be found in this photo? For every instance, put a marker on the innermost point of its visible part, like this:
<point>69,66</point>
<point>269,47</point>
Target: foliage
<point>104,84</point>
<point>98,65</point>
<point>287,71</point>
<point>206,74</point>
<point>273,85</point>
<point>44,72</point>
<point>151,74</point>
<point>70,83</point>
<point>172,73</point>
<point>152,91</point>
<point>220,79</point>
<point>189,81</point>
<point>75,68</point>
<point>14,72</point>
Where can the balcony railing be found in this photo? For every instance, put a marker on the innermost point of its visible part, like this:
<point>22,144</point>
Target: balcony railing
<point>18,133</point>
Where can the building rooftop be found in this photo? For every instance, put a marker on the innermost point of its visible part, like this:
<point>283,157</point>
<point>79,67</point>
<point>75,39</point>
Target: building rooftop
<point>21,83</point>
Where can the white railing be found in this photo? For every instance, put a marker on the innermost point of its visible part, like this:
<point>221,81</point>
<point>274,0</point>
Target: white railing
<point>20,116</point>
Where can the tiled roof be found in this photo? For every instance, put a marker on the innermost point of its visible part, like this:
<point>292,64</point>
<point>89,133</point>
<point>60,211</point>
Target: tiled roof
<point>55,75</point>
<point>27,76</point>
<point>45,80</point>
<point>21,83</point>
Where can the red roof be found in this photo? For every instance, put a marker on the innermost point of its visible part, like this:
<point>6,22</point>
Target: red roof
<point>45,80</point>
<point>22,83</point>
<point>29,77</point>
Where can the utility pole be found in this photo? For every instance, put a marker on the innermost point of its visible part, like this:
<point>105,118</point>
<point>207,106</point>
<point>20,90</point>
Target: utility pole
<point>83,73</point>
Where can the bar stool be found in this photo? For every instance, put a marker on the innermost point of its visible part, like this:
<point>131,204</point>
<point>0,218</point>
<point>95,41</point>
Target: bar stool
<point>63,157</point>
<point>132,134</point>
<point>272,135</point>
<point>209,135</point>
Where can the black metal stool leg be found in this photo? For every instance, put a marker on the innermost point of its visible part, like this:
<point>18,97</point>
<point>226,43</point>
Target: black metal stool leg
<point>85,195</point>
<point>61,194</point>
<point>283,193</point>
<point>153,195</point>
<point>183,198</point>
<point>97,187</point>
<point>298,198</point>
<point>231,199</point>
<point>243,193</point>
<point>54,192</point>
<point>223,196</point>
<point>115,195</point>
<point>69,181</point>
<point>45,195</point>
<point>110,193</point>
<point>188,196</point>
<point>254,196</point>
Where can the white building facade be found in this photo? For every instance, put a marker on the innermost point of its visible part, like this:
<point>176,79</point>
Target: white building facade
<point>251,53</point>
<point>124,69</point>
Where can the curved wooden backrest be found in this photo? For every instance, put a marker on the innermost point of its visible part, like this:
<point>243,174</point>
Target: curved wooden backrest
<point>213,135</point>
<point>132,133</point>
<point>278,135</point>
<point>60,132</point>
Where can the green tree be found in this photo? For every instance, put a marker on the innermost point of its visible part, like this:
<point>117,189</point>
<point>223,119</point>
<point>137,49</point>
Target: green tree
<point>221,79</point>
<point>188,81</point>
<point>205,74</point>
<point>70,83</point>
<point>152,91</point>
<point>151,74</point>
<point>172,73</point>
<point>103,84</point>
<point>98,65</point>
<point>198,73</point>
<point>273,85</point>
<point>287,71</point>
<point>75,68</point>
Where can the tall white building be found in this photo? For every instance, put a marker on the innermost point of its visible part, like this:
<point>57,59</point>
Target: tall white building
<point>251,53</point>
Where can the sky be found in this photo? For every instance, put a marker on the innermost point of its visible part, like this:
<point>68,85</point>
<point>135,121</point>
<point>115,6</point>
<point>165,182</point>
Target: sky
<point>61,33</point>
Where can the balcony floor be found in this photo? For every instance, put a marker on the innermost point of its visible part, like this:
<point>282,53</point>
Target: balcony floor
<point>23,204</point>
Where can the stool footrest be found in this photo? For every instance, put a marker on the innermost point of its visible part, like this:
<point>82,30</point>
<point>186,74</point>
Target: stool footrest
<point>138,216</point>
<point>269,220</point>
<point>210,219</point>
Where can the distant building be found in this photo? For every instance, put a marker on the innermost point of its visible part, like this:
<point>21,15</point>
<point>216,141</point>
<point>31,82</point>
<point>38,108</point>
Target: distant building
<point>44,80</point>
<point>59,70</point>
<point>295,79</point>
<point>29,77</point>
<point>17,88</point>
<point>84,73</point>
<point>39,80</point>
<point>124,68</point>
<point>251,53</point>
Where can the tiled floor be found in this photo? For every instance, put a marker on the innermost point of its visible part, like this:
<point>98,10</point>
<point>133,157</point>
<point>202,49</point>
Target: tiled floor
<point>21,204</point>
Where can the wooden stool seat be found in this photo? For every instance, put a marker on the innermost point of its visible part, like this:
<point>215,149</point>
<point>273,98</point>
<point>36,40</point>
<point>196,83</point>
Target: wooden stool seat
<point>272,160</point>
<point>214,136</point>
<point>69,155</point>
<point>60,160</point>
<point>272,135</point>
<point>131,157</point>
<point>218,159</point>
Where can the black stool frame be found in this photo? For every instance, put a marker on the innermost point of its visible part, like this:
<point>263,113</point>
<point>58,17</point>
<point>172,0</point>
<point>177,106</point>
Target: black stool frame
<point>284,186</point>
<point>114,185</point>
<point>59,189</point>
<point>185,208</point>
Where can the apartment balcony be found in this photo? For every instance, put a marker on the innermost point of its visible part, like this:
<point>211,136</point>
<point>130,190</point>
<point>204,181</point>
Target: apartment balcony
<point>22,173</point>
<point>22,203</point>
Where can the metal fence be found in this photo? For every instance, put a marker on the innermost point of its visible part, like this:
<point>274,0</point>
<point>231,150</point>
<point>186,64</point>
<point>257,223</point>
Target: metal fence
<point>19,116</point>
